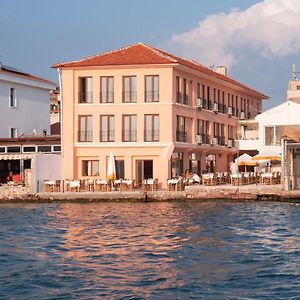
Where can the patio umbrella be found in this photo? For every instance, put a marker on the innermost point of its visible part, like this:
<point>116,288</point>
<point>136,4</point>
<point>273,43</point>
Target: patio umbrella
<point>111,167</point>
<point>245,160</point>
<point>267,155</point>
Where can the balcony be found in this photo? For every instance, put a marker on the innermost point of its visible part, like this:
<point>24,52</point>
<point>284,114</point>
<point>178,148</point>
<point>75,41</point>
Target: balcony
<point>151,135</point>
<point>85,136</point>
<point>106,97</point>
<point>85,97</point>
<point>181,136</point>
<point>128,135</point>
<point>152,96</point>
<point>107,136</point>
<point>129,97</point>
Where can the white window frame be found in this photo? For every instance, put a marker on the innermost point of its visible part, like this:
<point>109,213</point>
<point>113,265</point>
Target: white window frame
<point>15,98</point>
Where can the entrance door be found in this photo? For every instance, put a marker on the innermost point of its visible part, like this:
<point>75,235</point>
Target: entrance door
<point>144,170</point>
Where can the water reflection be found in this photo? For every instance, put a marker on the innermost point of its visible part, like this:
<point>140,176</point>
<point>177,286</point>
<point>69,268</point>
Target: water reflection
<point>152,250</point>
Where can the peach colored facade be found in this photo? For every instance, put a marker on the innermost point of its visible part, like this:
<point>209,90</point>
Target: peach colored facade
<point>174,145</point>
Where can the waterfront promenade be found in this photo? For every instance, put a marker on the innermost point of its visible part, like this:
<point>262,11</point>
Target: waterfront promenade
<point>254,192</point>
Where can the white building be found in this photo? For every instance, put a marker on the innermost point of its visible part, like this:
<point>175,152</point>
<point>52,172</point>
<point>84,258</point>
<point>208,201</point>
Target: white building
<point>268,130</point>
<point>24,102</point>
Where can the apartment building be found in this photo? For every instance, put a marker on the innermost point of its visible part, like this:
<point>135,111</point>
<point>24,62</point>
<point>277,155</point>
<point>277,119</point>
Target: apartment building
<point>159,114</point>
<point>24,102</point>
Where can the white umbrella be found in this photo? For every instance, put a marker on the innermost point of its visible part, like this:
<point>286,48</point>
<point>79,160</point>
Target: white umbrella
<point>111,168</point>
<point>245,160</point>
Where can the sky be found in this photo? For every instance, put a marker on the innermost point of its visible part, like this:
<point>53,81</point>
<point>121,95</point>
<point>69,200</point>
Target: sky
<point>258,40</point>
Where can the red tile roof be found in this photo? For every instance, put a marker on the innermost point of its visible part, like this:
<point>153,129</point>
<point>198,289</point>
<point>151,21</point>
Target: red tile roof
<point>141,54</point>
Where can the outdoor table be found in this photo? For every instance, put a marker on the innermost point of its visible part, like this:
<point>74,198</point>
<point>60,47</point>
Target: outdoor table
<point>102,185</point>
<point>74,184</point>
<point>127,184</point>
<point>49,185</point>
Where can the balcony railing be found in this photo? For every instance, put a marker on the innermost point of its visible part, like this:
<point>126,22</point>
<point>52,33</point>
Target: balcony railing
<point>181,136</point>
<point>220,140</point>
<point>107,136</point>
<point>209,105</point>
<point>129,135</point>
<point>129,96</point>
<point>85,136</point>
<point>152,96</point>
<point>106,97</point>
<point>185,99</point>
<point>151,135</point>
<point>202,139</point>
<point>85,97</point>
<point>178,97</point>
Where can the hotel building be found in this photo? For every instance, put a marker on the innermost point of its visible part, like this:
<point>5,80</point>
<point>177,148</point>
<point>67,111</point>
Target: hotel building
<point>159,115</point>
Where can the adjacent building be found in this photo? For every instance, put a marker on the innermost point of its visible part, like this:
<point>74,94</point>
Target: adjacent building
<point>24,102</point>
<point>277,130</point>
<point>160,115</point>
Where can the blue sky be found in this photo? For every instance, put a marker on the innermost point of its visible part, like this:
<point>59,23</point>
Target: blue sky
<point>240,34</point>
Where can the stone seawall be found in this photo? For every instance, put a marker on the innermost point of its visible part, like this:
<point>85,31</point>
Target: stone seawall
<point>192,193</point>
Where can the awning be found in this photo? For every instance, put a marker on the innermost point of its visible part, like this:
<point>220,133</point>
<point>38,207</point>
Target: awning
<point>15,156</point>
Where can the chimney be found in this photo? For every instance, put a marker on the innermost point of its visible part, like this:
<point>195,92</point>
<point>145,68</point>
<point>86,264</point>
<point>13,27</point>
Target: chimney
<point>221,70</point>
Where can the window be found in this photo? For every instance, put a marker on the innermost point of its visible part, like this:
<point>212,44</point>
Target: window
<point>129,89</point>
<point>210,163</point>
<point>107,128</point>
<point>2,149</point>
<point>151,88</point>
<point>151,133</point>
<point>57,148</point>
<point>13,132</point>
<point>269,136</point>
<point>181,135</point>
<point>230,132</point>
<point>85,94</point>
<point>178,93</point>
<point>129,128</point>
<point>12,97</point>
<point>120,169</point>
<point>185,92</point>
<point>14,149</point>
<point>203,131</point>
<point>29,149</point>
<point>176,164</point>
<point>106,89</point>
<point>44,148</point>
<point>90,167</point>
<point>85,133</point>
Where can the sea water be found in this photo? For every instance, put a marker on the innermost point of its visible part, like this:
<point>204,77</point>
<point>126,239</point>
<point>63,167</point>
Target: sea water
<point>216,250</point>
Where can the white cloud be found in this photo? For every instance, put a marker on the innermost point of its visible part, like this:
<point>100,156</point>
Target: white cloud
<point>270,28</point>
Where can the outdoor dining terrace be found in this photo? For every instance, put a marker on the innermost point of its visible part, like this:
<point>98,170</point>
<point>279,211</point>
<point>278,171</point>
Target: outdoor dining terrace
<point>173,184</point>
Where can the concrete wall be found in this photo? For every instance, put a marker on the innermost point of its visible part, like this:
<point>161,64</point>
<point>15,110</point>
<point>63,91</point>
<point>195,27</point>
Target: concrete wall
<point>45,167</point>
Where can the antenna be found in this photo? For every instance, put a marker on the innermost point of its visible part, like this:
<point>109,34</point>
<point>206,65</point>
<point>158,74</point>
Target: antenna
<point>212,67</point>
<point>295,72</point>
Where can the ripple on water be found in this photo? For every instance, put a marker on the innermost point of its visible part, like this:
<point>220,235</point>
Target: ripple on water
<point>150,250</point>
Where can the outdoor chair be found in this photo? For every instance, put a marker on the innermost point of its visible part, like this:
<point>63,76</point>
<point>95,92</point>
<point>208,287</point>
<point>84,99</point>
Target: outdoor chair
<point>237,179</point>
<point>57,185</point>
<point>90,184</point>
<point>209,179</point>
